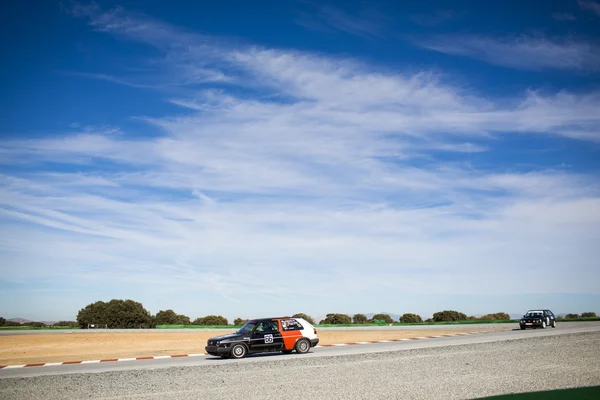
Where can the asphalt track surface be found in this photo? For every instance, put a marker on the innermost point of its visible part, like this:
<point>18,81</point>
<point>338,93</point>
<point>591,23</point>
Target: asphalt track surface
<point>460,367</point>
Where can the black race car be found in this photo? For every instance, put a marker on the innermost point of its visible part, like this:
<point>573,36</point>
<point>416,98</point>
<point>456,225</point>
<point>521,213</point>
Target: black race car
<point>538,319</point>
<point>281,334</point>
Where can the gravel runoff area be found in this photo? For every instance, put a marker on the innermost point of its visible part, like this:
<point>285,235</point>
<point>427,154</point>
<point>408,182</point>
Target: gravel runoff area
<point>450,372</point>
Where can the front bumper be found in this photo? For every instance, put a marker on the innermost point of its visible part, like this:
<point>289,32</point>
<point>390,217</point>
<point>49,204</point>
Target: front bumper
<point>531,323</point>
<point>217,350</point>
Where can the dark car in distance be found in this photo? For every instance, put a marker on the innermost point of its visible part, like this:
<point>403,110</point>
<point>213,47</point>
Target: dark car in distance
<point>539,318</point>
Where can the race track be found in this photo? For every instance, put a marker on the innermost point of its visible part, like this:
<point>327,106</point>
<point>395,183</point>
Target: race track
<point>445,368</point>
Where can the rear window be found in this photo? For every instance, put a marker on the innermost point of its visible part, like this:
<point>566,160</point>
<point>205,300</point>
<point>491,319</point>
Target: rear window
<point>291,325</point>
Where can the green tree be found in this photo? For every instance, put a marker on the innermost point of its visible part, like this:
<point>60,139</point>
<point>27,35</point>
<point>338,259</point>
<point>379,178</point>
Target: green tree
<point>572,316</point>
<point>239,321</point>
<point>211,320</point>
<point>124,314</point>
<point>306,317</point>
<point>382,317</point>
<point>360,319</point>
<point>170,317</point>
<point>589,314</point>
<point>409,318</point>
<point>2,321</point>
<point>336,319</point>
<point>449,315</point>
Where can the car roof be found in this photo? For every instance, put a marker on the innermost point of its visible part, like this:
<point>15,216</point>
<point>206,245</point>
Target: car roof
<point>270,318</point>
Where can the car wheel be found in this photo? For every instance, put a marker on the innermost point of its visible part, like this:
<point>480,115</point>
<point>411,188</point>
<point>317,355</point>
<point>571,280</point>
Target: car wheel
<point>238,351</point>
<point>302,346</point>
<point>522,327</point>
<point>554,323</point>
<point>544,324</point>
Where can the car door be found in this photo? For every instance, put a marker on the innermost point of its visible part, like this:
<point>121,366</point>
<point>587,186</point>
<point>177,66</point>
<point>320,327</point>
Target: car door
<point>266,337</point>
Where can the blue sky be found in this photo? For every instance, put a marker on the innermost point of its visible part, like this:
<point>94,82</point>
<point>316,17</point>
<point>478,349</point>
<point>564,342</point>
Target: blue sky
<point>249,159</point>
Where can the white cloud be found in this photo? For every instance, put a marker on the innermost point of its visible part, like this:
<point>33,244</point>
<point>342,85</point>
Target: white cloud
<point>526,52</point>
<point>322,170</point>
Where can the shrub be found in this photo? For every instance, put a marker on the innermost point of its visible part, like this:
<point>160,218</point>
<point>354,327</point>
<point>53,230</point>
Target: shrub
<point>69,324</point>
<point>2,321</point>
<point>501,316</point>
<point>429,320</point>
<point>306,317</point>
<point>34,324</point>
<point>127,314</point>
<point>337,319</point>
<point>589,315</point>
<point>239,321</point>
<point>359,319</point>
<point>383,318</point>
<point>170,317</point>
<point>211,320</point>
<point>11,323</point>
<point>471,318</point>
<point>409,318</point>
<point>449,315</point>
<point>572,316</point>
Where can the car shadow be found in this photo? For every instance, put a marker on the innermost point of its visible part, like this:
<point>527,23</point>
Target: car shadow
<point>250,356</point>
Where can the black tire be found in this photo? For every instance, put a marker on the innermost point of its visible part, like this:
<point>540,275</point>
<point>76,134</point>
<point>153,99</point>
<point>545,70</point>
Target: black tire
<point>544,324</point>
<point>302,346</point>
<point>554,323</point>
<point>238,351</point>
<point>522,327</point>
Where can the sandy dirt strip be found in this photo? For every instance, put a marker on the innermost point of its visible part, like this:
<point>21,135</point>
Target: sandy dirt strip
<point>43,348</point>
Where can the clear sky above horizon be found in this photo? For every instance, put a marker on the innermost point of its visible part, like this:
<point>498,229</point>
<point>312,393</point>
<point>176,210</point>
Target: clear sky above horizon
<point>267,158</point>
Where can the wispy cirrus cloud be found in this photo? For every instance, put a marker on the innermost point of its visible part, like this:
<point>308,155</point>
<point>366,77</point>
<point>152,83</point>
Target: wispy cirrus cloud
<point>590,5</point>
<point>526,52</point>
<point>435,18</point>
<point>365,23</point>
<point>315,169</point>
<point>564,17</point>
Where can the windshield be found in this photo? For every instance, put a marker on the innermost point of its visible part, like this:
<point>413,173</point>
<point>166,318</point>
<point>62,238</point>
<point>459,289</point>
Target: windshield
<point>248,327</point>
<point>534,314</point>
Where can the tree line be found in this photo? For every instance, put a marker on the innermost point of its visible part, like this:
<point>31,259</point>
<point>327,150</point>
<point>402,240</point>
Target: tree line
<point>129,314</point>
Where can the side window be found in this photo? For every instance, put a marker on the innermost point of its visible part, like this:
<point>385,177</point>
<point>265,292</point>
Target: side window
<point>271,326</point>
<point>267,326</point>
<point>291,325</point>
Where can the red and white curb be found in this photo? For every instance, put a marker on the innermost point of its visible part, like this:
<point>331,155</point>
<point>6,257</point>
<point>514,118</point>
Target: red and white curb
<point>53,364</point>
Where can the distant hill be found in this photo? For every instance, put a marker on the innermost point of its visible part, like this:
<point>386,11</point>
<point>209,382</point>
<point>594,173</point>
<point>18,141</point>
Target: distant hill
<point>19,320</point>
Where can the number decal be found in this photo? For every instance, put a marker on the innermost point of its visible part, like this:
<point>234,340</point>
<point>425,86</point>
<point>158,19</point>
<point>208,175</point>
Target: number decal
<point>268,338</point>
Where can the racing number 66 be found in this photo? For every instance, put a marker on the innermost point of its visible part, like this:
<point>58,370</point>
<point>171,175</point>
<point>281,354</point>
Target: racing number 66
<point>268,338</point>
